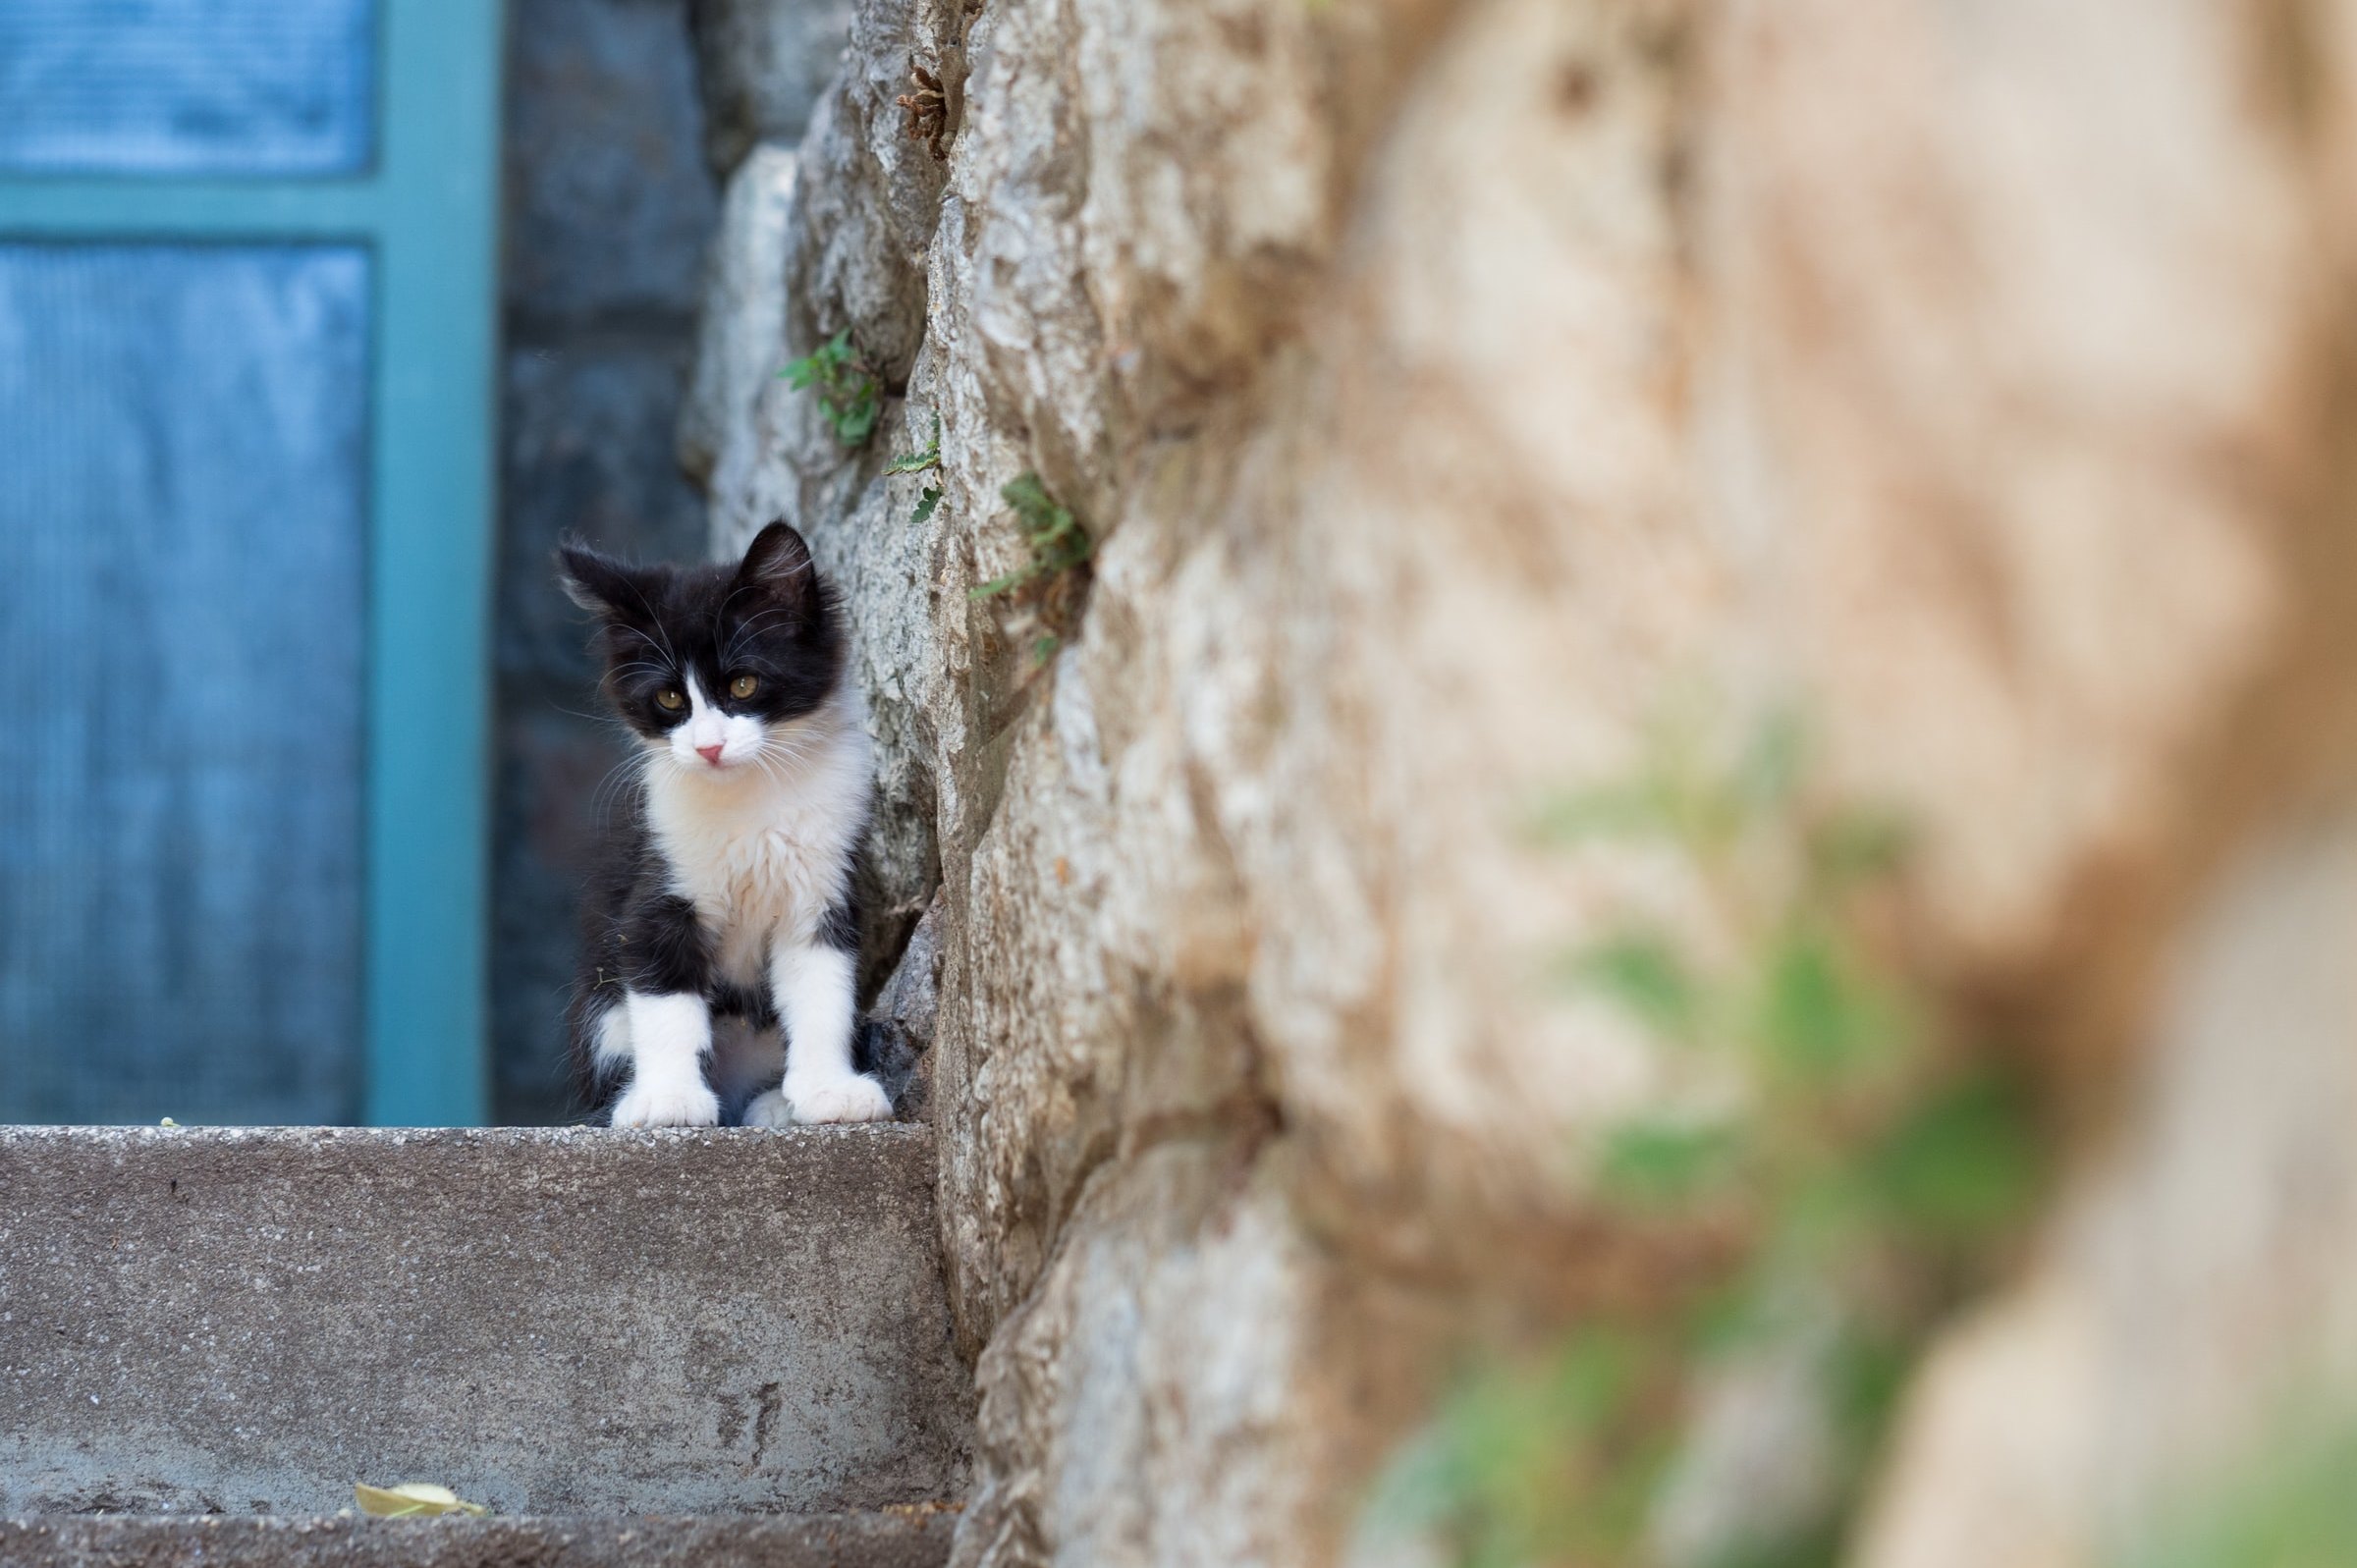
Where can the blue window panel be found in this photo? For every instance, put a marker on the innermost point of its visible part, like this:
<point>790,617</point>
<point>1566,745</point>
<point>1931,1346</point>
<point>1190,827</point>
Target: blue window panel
<point>183,547</point>
<point>187,86</point>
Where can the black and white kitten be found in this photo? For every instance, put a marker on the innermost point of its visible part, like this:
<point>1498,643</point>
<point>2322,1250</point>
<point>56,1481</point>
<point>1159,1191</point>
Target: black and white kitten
<point>727,892</point>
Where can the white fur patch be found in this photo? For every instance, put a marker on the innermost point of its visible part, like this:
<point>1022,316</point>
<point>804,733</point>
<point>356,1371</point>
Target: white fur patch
<point>713,742</point>
<point>771,1109</point>
<point>814,991</point>
<point>613,1038</point>
<point>813,988</point>
<point>764,849</point>
<point>851,1098</point>
<point>668,1039</point>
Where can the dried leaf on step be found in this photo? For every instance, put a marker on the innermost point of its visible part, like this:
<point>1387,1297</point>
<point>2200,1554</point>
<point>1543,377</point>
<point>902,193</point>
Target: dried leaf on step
<point>413,1499</point>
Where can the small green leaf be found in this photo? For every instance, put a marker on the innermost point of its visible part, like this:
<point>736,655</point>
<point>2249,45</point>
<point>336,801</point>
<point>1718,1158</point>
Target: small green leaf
<point>1607,811</point>
<point>1964,1161</point>
<point>1819,1016</point>
<point>999,585</point>
<point>821,364</point>
<point>1773,760</point>
<point>1644,973</point>
<point>926,503</point>
<point>920,462</point>
<point>1028,495</point>
<point>1057,540</point>
<point>1857,845</point>
<point>849,397</point>
<point>1662,1165</point>
<point>855,419</point>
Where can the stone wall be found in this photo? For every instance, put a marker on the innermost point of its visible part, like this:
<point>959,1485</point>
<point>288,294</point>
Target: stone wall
<point>1448,387</point>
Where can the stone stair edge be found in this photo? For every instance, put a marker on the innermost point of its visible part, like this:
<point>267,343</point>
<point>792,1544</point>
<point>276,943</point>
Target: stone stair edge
<point>914,1536</point>
<point>237,1317</point>
<point>49,1137</point>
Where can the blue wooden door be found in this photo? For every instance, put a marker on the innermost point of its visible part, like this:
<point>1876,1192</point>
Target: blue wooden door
<point>247,253</point>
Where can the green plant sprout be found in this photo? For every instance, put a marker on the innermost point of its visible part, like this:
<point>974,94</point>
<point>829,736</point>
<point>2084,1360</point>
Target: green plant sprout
<point>2288,1504</point>
<point>851,398</point>
<point>1865,1174</point>
<point>1057,540</point>
<point>1049,589</point>
<point>920,462</point>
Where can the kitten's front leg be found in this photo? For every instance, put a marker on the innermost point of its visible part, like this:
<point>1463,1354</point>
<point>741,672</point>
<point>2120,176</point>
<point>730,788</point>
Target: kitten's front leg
<point>670,1035</point>
<point>666,1021</point>
<point>813,985</point>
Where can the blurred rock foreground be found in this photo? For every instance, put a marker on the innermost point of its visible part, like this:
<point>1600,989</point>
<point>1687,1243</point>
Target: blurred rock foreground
<point>1448,387</point>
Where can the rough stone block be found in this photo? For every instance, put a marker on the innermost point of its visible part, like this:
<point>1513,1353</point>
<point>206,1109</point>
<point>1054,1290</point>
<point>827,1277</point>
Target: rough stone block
<point>763,64</point>
<point>741,342</point>
<point>548,1321</point>
<point>892,1539</point>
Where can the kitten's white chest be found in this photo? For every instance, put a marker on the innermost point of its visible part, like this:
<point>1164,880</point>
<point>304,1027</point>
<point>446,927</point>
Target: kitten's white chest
<point>762,860</point>
<point>753,889</point>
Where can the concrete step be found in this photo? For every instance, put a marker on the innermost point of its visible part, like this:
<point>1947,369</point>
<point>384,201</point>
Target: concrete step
<point>551,1321</point>
<point>892,1539</point>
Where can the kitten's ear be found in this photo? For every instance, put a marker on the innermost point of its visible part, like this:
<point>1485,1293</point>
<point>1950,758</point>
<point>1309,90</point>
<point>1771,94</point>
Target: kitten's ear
<point>599,583</point>
<point>777,562</point>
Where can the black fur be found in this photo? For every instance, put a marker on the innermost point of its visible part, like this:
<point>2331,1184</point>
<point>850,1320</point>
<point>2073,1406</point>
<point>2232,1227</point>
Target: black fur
<point>769,616</point>
<point>841,931</point>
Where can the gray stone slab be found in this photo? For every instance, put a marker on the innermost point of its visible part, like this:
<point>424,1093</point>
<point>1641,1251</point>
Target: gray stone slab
<point>740,341</point>
<point>893,1540</point>
<point>549,1321</point>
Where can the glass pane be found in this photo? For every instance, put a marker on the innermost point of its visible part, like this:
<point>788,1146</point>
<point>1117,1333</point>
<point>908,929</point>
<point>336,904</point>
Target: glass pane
<point>187,86</point>
<point>183,471</point>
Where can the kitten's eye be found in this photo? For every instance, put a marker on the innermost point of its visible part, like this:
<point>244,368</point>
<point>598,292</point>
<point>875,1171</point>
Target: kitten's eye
<point>743,687</point>
<point>669,700</point>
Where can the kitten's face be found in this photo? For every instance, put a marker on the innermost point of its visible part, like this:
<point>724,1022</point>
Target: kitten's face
<point>712,665</point>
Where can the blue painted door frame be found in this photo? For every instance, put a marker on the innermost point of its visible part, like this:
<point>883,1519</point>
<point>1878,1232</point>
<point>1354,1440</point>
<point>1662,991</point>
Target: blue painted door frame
<point>427,212</point>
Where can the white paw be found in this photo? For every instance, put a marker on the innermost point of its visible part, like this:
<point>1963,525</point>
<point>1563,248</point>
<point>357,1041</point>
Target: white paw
<point>856,1098</point>
<point>685,1104</point>
<point>771,1109</point>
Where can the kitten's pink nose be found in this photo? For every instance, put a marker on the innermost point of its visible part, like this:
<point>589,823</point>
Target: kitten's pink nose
<point>710,754</point>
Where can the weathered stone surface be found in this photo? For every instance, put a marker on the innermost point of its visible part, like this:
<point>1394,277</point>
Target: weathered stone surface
<point>762,65</point>
<point>856,246</point>
<point>741,342</point>
<point>547,1322</point>
<point>1450,388</point>
<point>912,1539</point>
<point>2196,1300</point>
<point>608,202</point>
